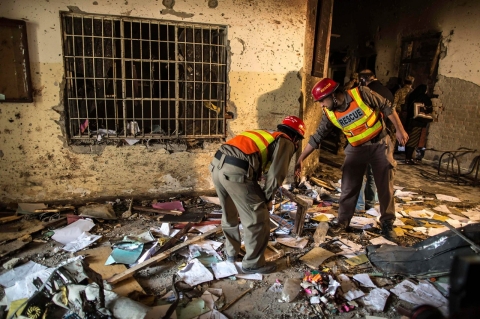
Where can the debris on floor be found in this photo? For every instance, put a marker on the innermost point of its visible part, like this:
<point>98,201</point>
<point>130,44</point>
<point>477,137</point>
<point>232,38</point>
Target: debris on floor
<point>164,259</point>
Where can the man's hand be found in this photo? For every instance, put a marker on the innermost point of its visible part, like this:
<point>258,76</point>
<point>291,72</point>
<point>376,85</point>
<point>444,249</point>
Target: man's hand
<point>298,168</point>
<point>402,137</point>
<point>270,205</point>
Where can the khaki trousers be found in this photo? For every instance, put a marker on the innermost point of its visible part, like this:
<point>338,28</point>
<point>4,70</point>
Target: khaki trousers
<point>242,197</point>
<point>380,156</point>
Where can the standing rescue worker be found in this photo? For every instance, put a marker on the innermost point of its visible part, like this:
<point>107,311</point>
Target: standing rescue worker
<point>359,114</point>
<point>236,169</point>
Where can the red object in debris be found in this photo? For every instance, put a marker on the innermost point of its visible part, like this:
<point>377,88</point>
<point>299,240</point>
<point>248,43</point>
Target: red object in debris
<point>73,218</point>
<point>204,223</point>
<point>175,205</point>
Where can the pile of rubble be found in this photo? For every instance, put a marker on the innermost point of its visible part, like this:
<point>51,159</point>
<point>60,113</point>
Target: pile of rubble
<point>87,259</point>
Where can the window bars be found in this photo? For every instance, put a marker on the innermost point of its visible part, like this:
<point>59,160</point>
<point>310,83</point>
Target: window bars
<point>143,79</point>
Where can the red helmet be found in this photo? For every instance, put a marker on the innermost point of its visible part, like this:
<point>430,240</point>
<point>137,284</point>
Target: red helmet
<point>324,88</point>
<point>295,124</point>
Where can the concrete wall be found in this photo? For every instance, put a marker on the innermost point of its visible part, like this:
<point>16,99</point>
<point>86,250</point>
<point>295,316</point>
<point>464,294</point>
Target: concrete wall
<point>36,164</point>
<point>458,86</point>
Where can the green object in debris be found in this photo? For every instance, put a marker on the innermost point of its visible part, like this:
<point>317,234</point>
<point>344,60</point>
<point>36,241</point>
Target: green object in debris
<point>357,260</point>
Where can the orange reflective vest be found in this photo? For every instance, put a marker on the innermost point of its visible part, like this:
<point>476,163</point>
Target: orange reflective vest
<point>359,122</point>
<point>256,141</point>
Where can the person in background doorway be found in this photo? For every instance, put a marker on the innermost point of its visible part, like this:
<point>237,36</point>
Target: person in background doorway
<point>399,99</point>
<point>359,114</point>
<point>416,128</point>
<point>236,169</point>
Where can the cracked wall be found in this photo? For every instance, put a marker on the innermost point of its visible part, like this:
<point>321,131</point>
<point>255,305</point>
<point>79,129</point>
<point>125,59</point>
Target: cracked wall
<point>36,164</point>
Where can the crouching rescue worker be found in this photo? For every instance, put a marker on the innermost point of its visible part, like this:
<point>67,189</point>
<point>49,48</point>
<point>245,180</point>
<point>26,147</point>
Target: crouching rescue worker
<point>236,169</point>
<point>359,113</point>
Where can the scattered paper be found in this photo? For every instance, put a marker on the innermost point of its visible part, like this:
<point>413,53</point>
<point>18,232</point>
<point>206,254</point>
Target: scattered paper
<point>323,217</point>
<point>209,298</point>
<point>242,275</point>
<point>204,229</point>
<point>346,283</point>
<point>472,214</point>
<point>349,248</point>
<point>382,241</point>
<point>448,198</point>
<point>353,294</point>
<point>401,194</point>
<point>459,218</point>
<point>398,222</point>
<point>357,260</point>
<point>24,208</point>
<point>443,209</point>
<point>71,232</point>
<point>9,278</point>
<point>24,288</point>
<point>436,231</point>
<point>293,242</point>
<point>224,269</point>
<point>84,240</point>
<point>316,257</point>
<point>423,293</point>
<point>372,212</point>
<point>376,299</point>
<point>125,252</point>
<point>362,222</point>
<point>421,214</point>
<point>195,273</point>
<point>364,280</point>
<point>332,286</point>
<point>213,200</point>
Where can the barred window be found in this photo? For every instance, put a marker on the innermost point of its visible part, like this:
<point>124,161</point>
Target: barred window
<point>130,78</point>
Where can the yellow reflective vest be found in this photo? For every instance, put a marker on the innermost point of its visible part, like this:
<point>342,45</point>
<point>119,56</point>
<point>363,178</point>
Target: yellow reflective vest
<point>358,122</point>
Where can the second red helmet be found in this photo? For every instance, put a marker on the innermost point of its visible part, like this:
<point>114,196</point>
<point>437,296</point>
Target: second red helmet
<point>295,123</point>
<point>324,88</point>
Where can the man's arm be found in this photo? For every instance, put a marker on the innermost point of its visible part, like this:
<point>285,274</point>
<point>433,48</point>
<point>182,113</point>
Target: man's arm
<point>314,142</point>
<point>376,101</point>
<point>278,170</point>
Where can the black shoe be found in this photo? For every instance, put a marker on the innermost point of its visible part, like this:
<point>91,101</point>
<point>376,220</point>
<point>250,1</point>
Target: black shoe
<point>269,267</point>
<point>337,229</point>
<point>388,232</point>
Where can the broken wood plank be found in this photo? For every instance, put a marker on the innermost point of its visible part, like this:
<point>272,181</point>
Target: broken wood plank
<point>160,211</point>
<point>9,219</point>
<point>129,272</point>
<point>301,211</point>
<point>15,245</point>
<point>175,239</point>
<point>22,228</point>
<point>96,258</point>
<point>321,183</point>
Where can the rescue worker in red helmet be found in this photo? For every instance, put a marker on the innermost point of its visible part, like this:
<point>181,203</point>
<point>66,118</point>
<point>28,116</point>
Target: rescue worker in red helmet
<point>359,113</point>
<point>236,169</point>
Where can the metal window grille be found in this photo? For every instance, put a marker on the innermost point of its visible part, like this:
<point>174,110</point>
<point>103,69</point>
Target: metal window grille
<point>143,79</point>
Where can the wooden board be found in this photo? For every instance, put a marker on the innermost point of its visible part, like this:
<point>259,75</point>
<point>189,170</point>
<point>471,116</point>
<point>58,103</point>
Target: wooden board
<point>12,246</point>
<point>96,259</point>
<point>19,229</point>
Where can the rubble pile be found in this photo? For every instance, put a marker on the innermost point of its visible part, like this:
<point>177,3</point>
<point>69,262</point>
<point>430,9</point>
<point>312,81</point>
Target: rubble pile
<point>96,260</point>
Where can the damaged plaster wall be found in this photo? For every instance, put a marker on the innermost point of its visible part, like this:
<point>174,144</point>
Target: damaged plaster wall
<point>458,86</point>
<point>266,39</point>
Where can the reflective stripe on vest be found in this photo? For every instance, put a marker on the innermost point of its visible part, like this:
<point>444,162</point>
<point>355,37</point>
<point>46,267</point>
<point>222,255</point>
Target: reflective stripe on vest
<point>262,146</point>
<point>358,122</point>
<point>256,141</point>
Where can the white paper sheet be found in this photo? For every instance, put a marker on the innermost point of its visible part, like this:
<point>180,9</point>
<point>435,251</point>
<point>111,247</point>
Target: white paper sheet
<point>84,240</point>
<point>376,299</point>
<point>364,280</point>
<point>372,212</point>
<point>195,273</point>
<point>9,278</point>
<point>472,214</point>
<point>448,198</point>
<point>423,293</point>
<point>349,248</point>
<point>459,218</point>
<point>224,269</point>
<point>354,294</point>
<point>436,230</point>
<point>421,213</point>
<point>204,229</point>
<point>24,288</point>
<point>382,241</point>
<point>401,194</point>
<point>362,222</point>
<point>214,314</point>
<point>242,275</point>
<point>443,209</point>
<point>71,232</point>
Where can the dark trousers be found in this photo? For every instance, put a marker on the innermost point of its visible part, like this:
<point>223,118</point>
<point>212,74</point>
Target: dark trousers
<point>380,156</point>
